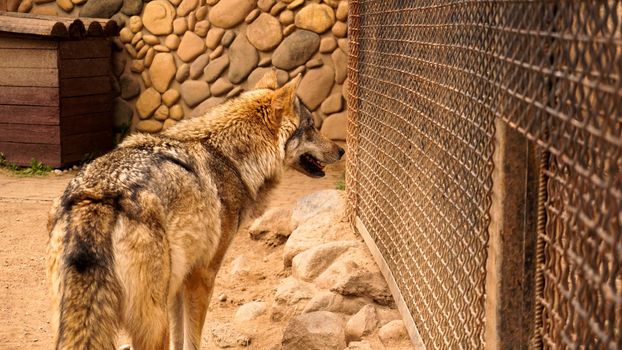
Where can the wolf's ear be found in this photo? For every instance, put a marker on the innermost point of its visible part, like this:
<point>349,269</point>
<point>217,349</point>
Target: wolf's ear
<point>284,97</point>
<point>268,81</point>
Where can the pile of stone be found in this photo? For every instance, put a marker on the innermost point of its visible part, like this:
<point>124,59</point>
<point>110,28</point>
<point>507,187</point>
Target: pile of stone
<point>179,58</point>
<point>335,296</point>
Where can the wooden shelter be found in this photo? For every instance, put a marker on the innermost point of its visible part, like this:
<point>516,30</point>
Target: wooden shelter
<point>55,91</point>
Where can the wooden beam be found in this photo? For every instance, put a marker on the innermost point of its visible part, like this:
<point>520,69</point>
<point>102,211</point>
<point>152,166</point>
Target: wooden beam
<point>86,67</point>
<point>23,153</point>
<point>28,58</point>
<point>12,41</point>
<point>85,104</point>
<point>87,123</point>
<point>40,115</point>
<point>93,48</point>
<point>44,77</point>
<point>30,133</point>
<point>76,148</point>
<point>84,86</point>
<point>28,96</point>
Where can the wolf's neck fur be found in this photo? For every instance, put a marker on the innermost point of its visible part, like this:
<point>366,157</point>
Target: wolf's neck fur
<point>242,131</point>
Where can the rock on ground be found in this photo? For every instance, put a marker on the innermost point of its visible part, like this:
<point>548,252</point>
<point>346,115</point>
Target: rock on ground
<point>333,302</point>
<point>393,334</point>
<point>240,266</point>
<point>359,345</point>
<point>314,232</point>
<point>320,330</point>
<point>312,262</point>
<point>354,273</point>
<point>362,323</point>
<point>291,291</point>
<point>250,311</point>
<point>225,336</point>
<point>273,224</point>
<point>326,203</point>
<point>290,298</point>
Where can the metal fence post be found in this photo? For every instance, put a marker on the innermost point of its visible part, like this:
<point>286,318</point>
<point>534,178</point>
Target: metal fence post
<point>509,280</point>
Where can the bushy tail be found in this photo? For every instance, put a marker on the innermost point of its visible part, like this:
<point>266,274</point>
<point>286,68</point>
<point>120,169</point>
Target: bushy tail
<point>88,291</point>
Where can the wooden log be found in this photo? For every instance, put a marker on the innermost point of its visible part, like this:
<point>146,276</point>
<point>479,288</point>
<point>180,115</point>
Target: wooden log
<point>30,25</point>
<point>87,123</point>
<point>111,28</point>
<point>95,29</point>
<point>77,30</point>
<point>59,30</point>
<point>30,133</point>
<point>85,104</point>
<point>28,58</point>
<point>13,41</point>
<point>67,20</point>
<point>71,87</point>
<point>86,67</point>
<point>29,96</point>
<point>46,77</point>
<point>58,26</point>
<point>39,115</point>
<point>23,153</point>
<point>92,48</point>
<point>77,148</point>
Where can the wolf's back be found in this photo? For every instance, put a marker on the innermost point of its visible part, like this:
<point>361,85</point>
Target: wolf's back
<point>86,291</point>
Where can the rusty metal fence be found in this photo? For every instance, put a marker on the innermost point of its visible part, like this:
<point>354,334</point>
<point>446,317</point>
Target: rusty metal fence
<point>428,81</point>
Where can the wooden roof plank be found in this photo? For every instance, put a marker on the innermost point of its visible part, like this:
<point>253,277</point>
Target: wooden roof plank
<point>56,26</point>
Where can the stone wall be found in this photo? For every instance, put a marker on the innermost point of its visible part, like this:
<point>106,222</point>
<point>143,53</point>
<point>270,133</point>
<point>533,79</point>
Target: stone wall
<point>176,59</point>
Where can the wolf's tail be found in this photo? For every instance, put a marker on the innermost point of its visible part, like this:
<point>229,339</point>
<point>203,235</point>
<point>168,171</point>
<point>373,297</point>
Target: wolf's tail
<point>86,290</point>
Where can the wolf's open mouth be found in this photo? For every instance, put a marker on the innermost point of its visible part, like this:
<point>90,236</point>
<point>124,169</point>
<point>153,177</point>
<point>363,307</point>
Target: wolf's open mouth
<point>313,166</point>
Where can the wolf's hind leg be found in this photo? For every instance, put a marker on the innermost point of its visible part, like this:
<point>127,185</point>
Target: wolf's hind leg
<point>176,315</point>
<point>144,269</point>
<point>147,321</point>
<point>197,294</point>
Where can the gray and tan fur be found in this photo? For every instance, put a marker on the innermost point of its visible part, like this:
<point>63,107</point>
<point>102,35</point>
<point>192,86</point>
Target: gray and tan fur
<point>138,236</point>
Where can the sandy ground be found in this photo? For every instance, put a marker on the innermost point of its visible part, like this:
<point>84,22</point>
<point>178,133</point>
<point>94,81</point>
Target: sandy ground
<point>24,311</point>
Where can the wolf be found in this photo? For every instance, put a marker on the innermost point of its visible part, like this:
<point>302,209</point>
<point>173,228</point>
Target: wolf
<point>138,236</point>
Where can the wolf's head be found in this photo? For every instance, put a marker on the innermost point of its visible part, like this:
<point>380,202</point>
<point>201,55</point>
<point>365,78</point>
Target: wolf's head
<point>306,150</point>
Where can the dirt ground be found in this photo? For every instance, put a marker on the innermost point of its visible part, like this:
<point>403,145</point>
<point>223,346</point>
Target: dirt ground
<point>24,311</point>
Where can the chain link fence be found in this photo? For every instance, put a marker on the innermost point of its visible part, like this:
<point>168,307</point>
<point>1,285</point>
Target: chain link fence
<point>427,81</point>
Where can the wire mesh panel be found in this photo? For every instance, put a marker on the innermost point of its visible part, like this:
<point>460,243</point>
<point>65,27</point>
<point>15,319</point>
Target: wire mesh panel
<point>421,140</point>
<point>427,80</point>
<point>581,128</point>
